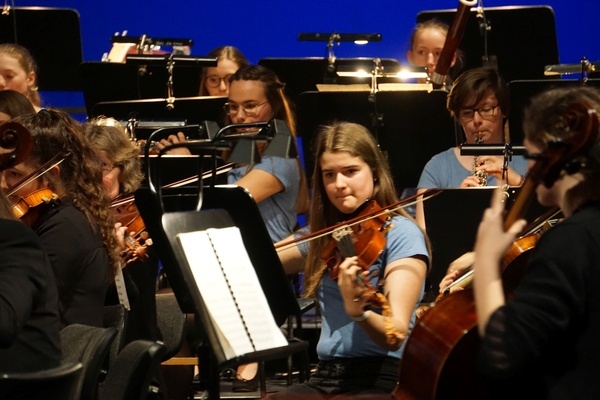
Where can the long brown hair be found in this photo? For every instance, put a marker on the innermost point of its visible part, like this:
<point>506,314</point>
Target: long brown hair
<point>282,109</point>
<point>54,132</point>
<point>356,140</point>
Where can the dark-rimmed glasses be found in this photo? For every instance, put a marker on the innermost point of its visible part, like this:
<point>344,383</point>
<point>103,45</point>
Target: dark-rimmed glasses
<point>487,113</point>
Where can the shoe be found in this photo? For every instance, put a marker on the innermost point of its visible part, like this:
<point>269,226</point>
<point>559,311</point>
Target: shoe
<point>245,385</point>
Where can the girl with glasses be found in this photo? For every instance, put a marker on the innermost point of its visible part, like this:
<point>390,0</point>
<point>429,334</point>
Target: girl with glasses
<point>479,103</point>
<point>215,80</point>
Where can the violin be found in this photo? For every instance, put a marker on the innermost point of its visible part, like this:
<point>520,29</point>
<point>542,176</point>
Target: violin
<point>136,238</point>
<point>29,208</point>
<point>365,240</point>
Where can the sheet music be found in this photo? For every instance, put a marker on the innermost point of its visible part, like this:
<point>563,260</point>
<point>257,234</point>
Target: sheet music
<point>231,291</point>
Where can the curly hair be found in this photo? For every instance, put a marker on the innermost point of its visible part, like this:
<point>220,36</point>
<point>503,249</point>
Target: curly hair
<point>55,132</point>
<point>108,136</point>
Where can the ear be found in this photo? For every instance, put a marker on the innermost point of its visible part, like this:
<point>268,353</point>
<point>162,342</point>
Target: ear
<point>409,56</point>
<point>54,172</point>
<point>454,58</point>
<point>31,79</point>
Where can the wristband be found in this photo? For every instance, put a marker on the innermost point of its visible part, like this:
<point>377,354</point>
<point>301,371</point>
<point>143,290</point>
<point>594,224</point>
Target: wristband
<point>362,317</point>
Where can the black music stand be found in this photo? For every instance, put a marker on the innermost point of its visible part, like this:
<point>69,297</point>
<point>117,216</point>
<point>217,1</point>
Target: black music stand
<point>521,92</point>
<point>303,74</point>
<point>50,34</point>
<point>513,39</point>
<point>410,126</point>
<point>106,81</point>
<point>452,218</point>
<point>191,110</point>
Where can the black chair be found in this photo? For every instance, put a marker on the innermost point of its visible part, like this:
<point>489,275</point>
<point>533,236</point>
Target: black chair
<point>171,323</point>
<point>116,316</point>
<point>58,383</point>
<point>133,374</point>
<point>90,346</point>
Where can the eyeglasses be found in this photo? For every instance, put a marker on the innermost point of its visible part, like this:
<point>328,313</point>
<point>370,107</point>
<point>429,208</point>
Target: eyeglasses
<point>250,109</point>
<point>214,81</point>
<point>488,113</point>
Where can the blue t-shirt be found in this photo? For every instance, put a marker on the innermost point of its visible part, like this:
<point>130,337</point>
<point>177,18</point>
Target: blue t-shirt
<point>340,336</point>
<point>444,171</point>
<point>279,210</point>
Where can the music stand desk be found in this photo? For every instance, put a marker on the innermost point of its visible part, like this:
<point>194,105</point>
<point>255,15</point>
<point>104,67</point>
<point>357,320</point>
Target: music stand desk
<point>410,126</point>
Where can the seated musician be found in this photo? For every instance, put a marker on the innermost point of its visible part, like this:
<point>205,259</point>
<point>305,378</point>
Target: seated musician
<point>71,214</point>
<point>277,184</point>
<point>215,80</point>
<point>363,330</point>
<point>543,339</point>
<point>479,103</point>
<point>122,175</point>
<point>30,323</point>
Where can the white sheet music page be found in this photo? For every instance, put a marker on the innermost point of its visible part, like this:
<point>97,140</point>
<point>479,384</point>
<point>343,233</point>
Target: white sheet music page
<point>231,290</point>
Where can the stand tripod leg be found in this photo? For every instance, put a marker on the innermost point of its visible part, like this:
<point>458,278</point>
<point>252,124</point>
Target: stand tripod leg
<point>209,372</point>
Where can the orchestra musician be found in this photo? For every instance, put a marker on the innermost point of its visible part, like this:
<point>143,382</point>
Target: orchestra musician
<point>360,346</point>
<point>426,44</point>
<point>30,326</point>
<point>73,219</point>
<point>18,72</point>
<point>122,175</point>
<point>215,80</point>
<point>479,103</point>
<point>544,340</point>
<point>277,184</point>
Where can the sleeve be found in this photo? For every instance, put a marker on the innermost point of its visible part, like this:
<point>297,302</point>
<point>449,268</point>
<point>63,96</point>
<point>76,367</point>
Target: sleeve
<point>25,271</point>
<point>433,173</point>
<point>284,169</point>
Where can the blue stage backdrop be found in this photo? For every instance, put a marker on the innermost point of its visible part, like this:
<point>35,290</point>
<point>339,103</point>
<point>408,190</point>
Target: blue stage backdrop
<point>269,28</point>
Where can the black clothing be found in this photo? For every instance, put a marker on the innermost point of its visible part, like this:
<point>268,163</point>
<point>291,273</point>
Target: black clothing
<point>80,262</point>
<point>548,336</point>
<point>29,317</point>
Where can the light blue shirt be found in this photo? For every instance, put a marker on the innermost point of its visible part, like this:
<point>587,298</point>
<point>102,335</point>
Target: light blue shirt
<point>340,335</point>
<point>279,210</point>
<point>444,171</point>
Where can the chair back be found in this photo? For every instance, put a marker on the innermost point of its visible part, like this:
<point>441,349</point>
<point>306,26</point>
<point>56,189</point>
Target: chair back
<point>89,345</point>
<point>135,374</point>
<point>116,316</point>
<point>56,383</point>
<point>171,323</point>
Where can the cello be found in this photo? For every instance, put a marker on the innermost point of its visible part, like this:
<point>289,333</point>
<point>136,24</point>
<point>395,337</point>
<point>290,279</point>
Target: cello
<point>439,360</point>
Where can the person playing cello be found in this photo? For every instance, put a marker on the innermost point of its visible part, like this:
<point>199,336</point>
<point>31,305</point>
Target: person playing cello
<point>544,340</point>
<point>361,340</point>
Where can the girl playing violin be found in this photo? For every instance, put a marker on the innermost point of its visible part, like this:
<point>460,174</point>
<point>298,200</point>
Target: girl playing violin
<point>544,340</point>
<point>122,175</point>
<point>356,355</point>
<point>77,228</point>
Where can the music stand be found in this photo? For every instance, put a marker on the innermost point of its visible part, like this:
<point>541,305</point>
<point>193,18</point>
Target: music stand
<point>410,126</point>
<point>192,110</point>
<point>106,81</point>
<point>452,218</point>
<point>513,40</point>
<point>50,34</point>
<point>303,74</point>
<point>521,93</point>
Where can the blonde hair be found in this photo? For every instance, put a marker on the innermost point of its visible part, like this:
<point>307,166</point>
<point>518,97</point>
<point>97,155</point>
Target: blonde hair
<point>27,62</point>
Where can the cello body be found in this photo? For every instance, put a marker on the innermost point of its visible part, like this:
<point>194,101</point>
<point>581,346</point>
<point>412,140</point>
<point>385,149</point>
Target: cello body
<point>439,359</point>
